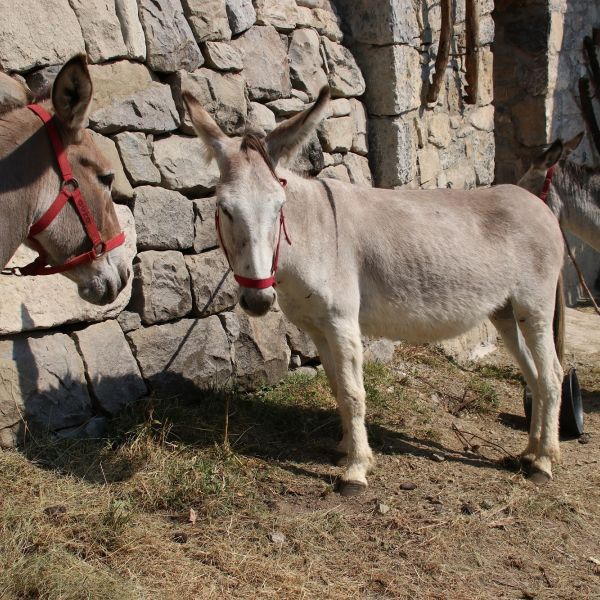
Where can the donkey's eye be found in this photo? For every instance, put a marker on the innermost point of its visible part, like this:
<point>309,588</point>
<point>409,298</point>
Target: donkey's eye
<point>106,179</point>
<point>226,213</point>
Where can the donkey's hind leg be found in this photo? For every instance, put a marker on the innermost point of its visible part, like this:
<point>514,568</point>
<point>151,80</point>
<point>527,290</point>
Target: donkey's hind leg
<point>536,328</point>
<point>506,324</point>
<point>346,349</point>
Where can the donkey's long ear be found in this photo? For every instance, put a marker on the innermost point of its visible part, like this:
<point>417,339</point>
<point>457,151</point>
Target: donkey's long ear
<point>72,94</point>
<point>286,139</point>
<point>208,131</point>
<point>550,156</point>
<point>571,144</point>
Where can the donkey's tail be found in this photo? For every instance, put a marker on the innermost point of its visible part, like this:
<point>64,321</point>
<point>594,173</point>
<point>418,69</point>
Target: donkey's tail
<point>558,322</point>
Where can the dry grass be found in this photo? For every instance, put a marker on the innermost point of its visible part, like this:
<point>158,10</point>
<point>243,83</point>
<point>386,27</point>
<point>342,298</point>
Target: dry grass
<point>111,519</point>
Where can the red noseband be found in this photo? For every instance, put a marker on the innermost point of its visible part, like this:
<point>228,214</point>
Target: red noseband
<point>248,282</point>
<point>547,183</point>
<point>69,191</point>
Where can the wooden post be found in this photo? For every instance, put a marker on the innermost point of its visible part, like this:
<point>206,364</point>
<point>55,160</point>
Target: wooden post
<point>472,51</point>
<point>588,110</point>
<point>441,60</point>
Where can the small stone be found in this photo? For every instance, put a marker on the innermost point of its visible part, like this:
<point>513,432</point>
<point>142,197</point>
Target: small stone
<point>335,134</point>
<point>486,504</point>
<point>286,107</point>
<point>241,15</point>
<point>338,172</point>
<point>408,486</point>
<point>136,155</point>
<point>295,361</point>
<point>306,63</point>
<point>205,234</point>
<point>260,119</point>
<point>437,457</point>
<point>586,438</point>
<point>277,537</point>
<point>208,19</point>
<point>309,372</point>
<point>121,188</point>
<point>223,56</point>
<point>382,508</point>
<point>129,321</point>
<point>281,14</point>
<point>180,537</point>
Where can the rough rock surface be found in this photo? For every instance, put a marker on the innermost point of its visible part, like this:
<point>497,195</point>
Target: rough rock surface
<point>306,68</point>
<point>241,15</point>
<point>205,234</point>
<point>28,36</point>
<point>182,165</point>
<point>213,287</point>
<point>260,352</point>
<point>131,27</point>
<point>345,78</point>
<point>101,29</point>
<point>161,286</point>
<point>25,303</point>
<point>359,127</point>
<point>260,118</point>
<point>358,169</point>
<point>223,56</point>
<point>281,14</point>
<point>223,95</point>
<point>183,358</point>
<point>136,157</point>
<point>170,44</point>
<point>164,219</point>
<point>265,63</point>
<point>300,342</point>
<point>208,19</point>
<point>113,373</point>
<point>336,134</point>
<point>42,378</point>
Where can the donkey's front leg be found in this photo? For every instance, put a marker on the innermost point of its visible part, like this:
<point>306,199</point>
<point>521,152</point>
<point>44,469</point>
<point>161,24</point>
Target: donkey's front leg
<point>346,350</point>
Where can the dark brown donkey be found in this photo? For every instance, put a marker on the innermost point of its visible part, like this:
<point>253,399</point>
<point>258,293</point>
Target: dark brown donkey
<point>31,181</point>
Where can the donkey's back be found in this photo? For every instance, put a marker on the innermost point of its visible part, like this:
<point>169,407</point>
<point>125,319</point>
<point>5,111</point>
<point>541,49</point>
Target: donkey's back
<point>431,264</point>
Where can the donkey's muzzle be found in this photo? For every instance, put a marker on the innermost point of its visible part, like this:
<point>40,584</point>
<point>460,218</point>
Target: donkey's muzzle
<point>257,302</point>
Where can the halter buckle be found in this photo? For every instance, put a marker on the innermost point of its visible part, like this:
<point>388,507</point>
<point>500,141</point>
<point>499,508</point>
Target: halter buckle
<point>70,183</point>
<point>98,250</point>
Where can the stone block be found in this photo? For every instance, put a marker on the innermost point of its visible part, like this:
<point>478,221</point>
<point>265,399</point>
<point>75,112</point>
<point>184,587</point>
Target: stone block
<point>439,130</point>
<point>41,379</point>
<point>208,19</point>
<point>29,37</point>
<point>429,164</point>
<point>185,358</point>
<point>131,28</point>
<point>473,345</point>
<point>338,172</point>
<point>164,219</point>
<point>306,63</point>
<point>25,304</point>
<point>335,134</point>
<point>344,76</point>
<point>393,78</point>
<point>300,342</point>
<point>358,169</point>
<point>213,287</point>
<point>161,286</point>
<point>484,154</point>
<point>377,350</point>
<point>392,151</point>
<point>183,166</point>
<point>223,95</point>
<point>170,44</point>
<point>265,63</point>
<point>121,188</point>
<point>380,22</point>
<point>259,348</point>
<point>286,107</point>
<point>114,376</point>
<point>359,127</point>
<point>205,233</point>
<point>260,118</point>
<point>482,118</point>
<point>325,22</point>
<point>129,321</point>
<point>136,158</point>
<point>101,29</point>
<point>241,15</point>
<point>281,14</point>
<point>223,56</point>
<point>151,110</point>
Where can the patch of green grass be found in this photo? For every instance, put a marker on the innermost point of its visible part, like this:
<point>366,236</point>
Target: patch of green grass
<point>485,396</point>
<point>504,372</point>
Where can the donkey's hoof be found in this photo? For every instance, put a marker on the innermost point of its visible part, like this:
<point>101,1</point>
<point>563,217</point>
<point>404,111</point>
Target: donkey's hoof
<point>538,477</point>
<point>351,488</point>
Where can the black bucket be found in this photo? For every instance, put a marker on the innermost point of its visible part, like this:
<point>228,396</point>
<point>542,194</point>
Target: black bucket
<point>571,407</point>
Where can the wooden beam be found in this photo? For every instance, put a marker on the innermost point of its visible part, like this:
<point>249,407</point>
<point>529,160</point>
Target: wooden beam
<point>472,49</point>
<point>588,110</point>
<point>441,60</point>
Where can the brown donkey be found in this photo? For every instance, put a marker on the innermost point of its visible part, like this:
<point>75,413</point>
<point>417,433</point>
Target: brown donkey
<point>31,180</point>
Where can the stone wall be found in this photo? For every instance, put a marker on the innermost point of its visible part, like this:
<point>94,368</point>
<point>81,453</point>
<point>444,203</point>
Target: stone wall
<point>68,366</point>
<point>538,62</point>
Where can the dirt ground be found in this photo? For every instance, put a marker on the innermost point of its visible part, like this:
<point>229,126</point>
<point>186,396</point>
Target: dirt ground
<point>167,509</point>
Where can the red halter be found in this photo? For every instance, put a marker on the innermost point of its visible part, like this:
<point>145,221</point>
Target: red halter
<point>69,191</point>
<point>547,183</point>
<point>248,282</point>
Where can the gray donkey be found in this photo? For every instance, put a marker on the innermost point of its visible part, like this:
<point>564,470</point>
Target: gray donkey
<point>413,265</point>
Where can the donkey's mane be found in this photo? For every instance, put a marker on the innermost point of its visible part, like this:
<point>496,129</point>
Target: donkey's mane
<point>573,176</point>
<point>256,142</point>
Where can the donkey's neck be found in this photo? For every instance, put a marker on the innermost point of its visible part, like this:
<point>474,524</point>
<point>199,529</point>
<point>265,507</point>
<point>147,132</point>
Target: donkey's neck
<point>27,173</point>
<point>575,199</point>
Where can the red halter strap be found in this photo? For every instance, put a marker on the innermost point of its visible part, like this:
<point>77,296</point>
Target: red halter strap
<point>547,183</point>
<point>69,191</point>
<point>248,282</point>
